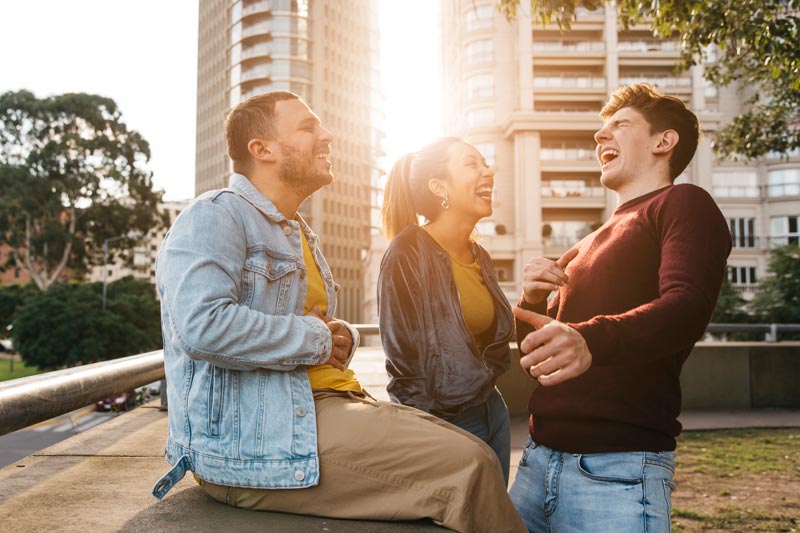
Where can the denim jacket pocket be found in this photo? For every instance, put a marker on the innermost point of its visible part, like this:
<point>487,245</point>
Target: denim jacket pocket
<point>268,279</point>
<point>216,394</point>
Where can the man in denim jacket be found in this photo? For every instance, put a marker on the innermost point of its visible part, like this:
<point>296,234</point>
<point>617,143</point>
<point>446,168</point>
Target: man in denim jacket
<point>260,397</point>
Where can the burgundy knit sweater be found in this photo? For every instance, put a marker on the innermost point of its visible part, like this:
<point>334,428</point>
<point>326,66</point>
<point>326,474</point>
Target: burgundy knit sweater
<point>641,292</point>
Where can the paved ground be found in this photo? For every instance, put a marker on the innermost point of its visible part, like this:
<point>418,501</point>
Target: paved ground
<point>100,480</point>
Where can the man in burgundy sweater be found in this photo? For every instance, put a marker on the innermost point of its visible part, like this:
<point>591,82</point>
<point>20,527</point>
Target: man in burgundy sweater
<point>631,300</point>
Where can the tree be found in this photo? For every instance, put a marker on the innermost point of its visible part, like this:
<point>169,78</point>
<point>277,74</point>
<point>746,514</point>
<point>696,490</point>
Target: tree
<point>12,298</point>
<point>71,175</point>
<point>778,299</point>
<point>756,45</point>
<point>64,325</point>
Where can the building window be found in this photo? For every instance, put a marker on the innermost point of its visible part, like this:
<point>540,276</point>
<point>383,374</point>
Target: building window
<point>479,18</point>
<point>480,52</point>
<point>740,275</point>
<point>785,230</point>
<point>743,232</point>
<point>740,184</point>
<point>481,86</point>
<point>480,117</point>
<point>784,182</point>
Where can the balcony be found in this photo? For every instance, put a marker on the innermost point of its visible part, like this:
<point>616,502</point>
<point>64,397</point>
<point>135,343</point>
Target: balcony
<point>259,50</point>
<point>664,83</point>
<point>258,73</point>
<point>256,8</point>
<point>257,30</point>
<point>574,53</point>
<point>780,190</point>
<point>649,53</point>
<point>566,87</point>
<point>573,194</point>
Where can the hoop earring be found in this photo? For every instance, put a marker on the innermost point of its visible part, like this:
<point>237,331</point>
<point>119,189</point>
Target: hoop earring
<point>445,203</point>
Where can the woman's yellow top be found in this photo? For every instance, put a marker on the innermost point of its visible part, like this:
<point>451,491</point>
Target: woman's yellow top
<point>476,301</point>
<point>323,376</point>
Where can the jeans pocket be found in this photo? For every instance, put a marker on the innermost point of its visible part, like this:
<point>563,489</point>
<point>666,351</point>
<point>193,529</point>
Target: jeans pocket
<point>529,447</point>
<point>624,467</point>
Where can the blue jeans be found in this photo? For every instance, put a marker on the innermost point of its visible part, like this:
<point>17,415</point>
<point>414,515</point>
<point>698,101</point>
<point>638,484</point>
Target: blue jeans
<point>563,492</point>
<point>489,422</point>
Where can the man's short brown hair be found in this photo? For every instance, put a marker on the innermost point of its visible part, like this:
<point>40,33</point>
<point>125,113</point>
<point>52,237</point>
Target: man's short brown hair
<point>662,112</point>
<point>250,119</point>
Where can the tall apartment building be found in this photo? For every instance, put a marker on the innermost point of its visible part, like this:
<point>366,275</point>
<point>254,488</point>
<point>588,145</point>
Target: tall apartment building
<point>528,97</point>
<point>325,51</point>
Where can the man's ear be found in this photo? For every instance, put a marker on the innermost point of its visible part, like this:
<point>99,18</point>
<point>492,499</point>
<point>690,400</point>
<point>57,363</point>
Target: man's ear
<point>667,141</point>
<point>261,150</point>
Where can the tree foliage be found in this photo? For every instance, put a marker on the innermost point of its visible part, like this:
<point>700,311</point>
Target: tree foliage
<point>71,175</point>
<point>12,298</point>
<point>65,325</point>
<point>753,42</point>
<point>778,299</point>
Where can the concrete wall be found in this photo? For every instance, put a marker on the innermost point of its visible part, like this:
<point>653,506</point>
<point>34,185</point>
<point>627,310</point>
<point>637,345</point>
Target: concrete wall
<point>717,376</point>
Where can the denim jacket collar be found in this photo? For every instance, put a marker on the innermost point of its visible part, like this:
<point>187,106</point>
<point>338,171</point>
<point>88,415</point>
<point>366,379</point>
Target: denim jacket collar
<point>242,186</point>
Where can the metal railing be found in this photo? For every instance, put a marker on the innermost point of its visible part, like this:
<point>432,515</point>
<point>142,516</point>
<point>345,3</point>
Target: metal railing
<point>34,399</point>
<point>27,401</point>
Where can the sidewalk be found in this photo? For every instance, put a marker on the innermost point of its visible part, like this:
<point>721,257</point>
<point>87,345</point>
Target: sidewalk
<point>100,480</point>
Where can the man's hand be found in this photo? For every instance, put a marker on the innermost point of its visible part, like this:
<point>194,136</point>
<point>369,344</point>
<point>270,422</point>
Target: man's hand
<point>555,352</point>
<point>341,339</point>
<point>542,276</point>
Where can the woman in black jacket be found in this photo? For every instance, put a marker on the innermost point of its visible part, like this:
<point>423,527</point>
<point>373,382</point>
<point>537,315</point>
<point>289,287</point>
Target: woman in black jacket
<point>445,323</point>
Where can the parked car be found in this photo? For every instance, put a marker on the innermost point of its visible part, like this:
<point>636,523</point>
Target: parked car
<point>118,402</point>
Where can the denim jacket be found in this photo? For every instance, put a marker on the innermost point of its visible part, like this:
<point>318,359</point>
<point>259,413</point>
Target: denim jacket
<point>232,284</point>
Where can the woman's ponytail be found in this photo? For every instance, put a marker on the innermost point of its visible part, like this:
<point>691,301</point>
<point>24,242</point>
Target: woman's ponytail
<point>398,207</point>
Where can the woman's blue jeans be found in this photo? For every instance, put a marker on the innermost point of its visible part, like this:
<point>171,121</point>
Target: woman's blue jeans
<point>628,491</point>
<point>489,422</point>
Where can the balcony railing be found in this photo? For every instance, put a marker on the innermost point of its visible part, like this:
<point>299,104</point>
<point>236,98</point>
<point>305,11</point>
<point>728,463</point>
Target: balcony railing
<point>569,46</point>
<point>562,82</point>
<point>257,7</point>
<point>262,49</point>
<point>571,189</point>
<point>662,82</point>
<point>567,154</point>
<point>648,46</point>
<point>783,189</point>
<point>255,74</point>
<point>257,29</point>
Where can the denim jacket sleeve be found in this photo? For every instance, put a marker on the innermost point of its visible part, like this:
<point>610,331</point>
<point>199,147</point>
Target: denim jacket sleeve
<point>199,274</point>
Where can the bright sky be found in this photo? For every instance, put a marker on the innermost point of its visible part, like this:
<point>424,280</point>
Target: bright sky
<point>143,54</point>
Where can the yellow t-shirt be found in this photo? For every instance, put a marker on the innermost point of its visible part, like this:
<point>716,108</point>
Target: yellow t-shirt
<point>476,300</point>
<point>323,376</point>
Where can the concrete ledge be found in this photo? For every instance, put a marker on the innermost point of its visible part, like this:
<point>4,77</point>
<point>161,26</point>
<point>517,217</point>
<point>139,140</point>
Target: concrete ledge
<point>100,480</point>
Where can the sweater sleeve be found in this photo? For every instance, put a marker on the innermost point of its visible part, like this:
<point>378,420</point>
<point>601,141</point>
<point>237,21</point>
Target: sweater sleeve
<point>695,243</point>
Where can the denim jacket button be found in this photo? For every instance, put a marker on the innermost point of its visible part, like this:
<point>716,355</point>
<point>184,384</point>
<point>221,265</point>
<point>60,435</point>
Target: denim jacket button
<point>302,274</point>
<point>299,475</point>
<point>287,230</point>
<point>300,411</point>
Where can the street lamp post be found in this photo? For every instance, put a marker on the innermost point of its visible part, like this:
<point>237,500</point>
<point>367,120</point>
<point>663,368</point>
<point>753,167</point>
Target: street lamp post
<point>105,263</point>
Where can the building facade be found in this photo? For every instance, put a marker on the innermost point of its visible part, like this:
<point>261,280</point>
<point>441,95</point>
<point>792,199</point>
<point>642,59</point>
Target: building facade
<point>326,52</point>
<point>142,262</point>
<point>528,96</point>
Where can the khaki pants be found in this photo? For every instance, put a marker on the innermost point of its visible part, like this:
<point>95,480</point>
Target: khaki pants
<point>384,461</point>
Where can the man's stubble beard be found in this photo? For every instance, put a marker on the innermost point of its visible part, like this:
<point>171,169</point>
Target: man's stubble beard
<point>299,173</point>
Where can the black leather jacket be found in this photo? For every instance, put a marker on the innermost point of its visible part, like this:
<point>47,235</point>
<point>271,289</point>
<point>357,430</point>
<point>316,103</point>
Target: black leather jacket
<point>432,360</point>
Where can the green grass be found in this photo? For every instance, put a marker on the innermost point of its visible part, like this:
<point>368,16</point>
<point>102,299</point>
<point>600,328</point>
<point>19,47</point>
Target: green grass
<point>731,453</point>
<point>20,370</point>
<point>725,465</point>
<point>732,519</point>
